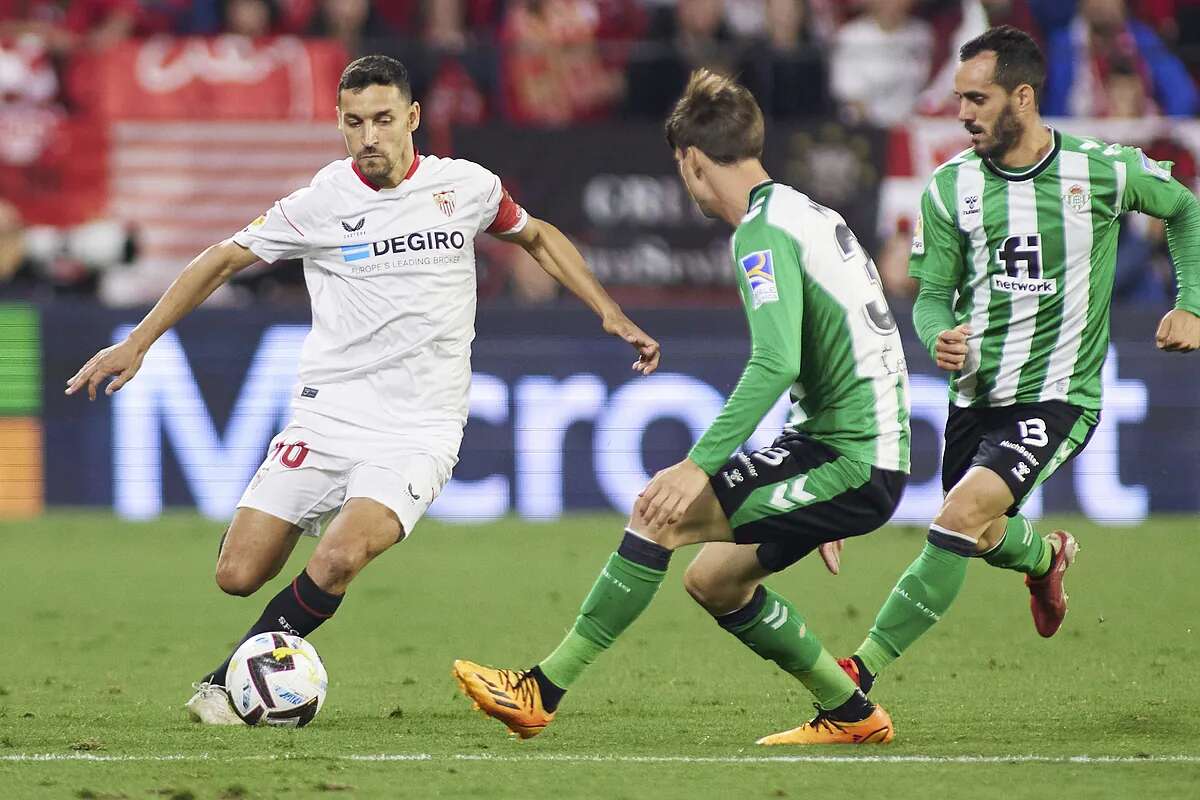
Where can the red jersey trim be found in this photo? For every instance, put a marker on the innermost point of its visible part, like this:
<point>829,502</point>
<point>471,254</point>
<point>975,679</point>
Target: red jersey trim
<point>413,167</point>
<point>367,181</point>
<point>288,221</point>
<point>507,216</point>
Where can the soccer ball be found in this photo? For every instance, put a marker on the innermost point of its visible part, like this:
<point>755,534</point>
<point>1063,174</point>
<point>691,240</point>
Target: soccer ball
<point>276,679</point>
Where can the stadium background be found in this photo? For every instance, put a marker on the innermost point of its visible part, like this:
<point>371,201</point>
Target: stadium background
<point>137,133</point>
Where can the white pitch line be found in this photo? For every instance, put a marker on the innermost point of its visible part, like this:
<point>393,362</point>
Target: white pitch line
<point>609,759</point>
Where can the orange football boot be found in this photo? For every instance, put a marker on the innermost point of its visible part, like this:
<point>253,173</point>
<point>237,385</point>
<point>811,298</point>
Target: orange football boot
<point>875,729</point>
<point>509,695</point>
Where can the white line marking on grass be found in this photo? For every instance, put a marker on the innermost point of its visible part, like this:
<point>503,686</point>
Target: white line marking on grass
<point>610,759</point>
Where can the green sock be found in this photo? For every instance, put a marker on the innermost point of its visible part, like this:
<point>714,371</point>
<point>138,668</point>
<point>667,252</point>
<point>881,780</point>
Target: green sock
<point>920,598</point>
<point>1021,549</point>
<point>770,626</point>
<point>621,593</point>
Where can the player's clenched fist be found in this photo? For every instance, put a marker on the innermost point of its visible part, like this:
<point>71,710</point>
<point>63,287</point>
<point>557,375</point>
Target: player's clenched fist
<point>122,360</point>
<point>1179,332</point>
<point>951,348</point>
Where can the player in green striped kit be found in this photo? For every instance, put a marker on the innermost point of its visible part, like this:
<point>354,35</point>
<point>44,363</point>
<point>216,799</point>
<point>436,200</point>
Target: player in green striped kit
<point>1015,250</point>
<point>821,329</point>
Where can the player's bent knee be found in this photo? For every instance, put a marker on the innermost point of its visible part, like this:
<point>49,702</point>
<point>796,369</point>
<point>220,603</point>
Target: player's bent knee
<point>964,514</point>
<point>703,590</point>
<point>336,566</point>
<point>238,579</point>
<point>715,593</point>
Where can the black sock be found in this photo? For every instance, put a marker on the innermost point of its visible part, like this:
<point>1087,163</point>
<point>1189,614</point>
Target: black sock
<point>552,693</point>
<point>865,679</point>
<point>856,709</point>
<point>299,610</point>
<point>642,551</point>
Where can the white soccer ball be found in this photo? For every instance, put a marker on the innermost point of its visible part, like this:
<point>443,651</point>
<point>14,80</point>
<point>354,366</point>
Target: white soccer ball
<point>276,679</point>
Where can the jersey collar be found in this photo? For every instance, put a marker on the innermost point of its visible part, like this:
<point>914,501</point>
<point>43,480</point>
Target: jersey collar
<point>367,181</point>
<point>758,190</point>
<point>1031,172</point>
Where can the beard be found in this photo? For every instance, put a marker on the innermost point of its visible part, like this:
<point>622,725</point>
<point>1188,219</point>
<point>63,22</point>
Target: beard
<point>379,167</point>
<point>1005,134</point>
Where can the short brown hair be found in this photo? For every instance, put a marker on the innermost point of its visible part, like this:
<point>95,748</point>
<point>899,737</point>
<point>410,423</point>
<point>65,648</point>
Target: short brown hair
<point>1018,58</point>
<point>718,116</point>
<point>375,70</point>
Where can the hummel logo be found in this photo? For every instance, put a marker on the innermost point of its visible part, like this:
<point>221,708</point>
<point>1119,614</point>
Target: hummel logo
<point>790,494</point>
<point>355,227</point>
<point>413,494</point>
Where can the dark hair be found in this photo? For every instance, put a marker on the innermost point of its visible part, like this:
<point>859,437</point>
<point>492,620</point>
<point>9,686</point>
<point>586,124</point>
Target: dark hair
<point>375,70</point>
<point>1018,58</point>
<point>719,117</point>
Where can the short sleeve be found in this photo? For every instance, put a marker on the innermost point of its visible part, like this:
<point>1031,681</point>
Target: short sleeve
<point>936,247</point>
<point>502,216</point>
<point>283,232</point>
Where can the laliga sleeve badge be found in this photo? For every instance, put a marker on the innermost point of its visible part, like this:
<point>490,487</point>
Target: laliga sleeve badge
<point>760,272</point>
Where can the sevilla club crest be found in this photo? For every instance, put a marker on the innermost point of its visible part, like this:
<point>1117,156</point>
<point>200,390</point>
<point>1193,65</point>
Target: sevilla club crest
<point>445,201</point>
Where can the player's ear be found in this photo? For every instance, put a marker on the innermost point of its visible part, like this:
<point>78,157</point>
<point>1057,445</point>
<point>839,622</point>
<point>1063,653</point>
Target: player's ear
<point>414,116</point>
<point>337,112</point>
<point>701,163</point>
<point>1026,98</point>
<point>690,160</point>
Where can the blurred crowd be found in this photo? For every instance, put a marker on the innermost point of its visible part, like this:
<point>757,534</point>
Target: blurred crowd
<point>570,62</point>
<point>555,62</point>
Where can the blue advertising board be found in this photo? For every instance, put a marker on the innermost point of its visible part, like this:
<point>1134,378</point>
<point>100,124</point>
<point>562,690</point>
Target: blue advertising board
<point>558,422</point>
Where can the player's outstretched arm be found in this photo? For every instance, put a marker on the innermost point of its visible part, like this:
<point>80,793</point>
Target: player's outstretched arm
<point>562,261</point>
<point>198,280</point>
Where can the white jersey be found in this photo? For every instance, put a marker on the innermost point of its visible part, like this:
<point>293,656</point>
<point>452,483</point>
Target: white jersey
<point>391,275</point>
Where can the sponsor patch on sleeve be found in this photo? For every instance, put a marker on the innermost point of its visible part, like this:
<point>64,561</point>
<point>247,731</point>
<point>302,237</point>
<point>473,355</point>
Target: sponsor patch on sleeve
<point>257,223</point>
<point>918,242</point>
<point>760,272</point>
<point>1152,167</point>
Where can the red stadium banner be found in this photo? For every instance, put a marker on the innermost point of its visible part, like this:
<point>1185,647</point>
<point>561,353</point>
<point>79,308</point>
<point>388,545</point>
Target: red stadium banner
<point>220,78</point>
<point>55,172</point>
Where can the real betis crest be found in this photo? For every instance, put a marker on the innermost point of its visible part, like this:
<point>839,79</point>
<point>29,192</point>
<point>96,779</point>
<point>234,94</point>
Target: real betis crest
<point>1078,199</point>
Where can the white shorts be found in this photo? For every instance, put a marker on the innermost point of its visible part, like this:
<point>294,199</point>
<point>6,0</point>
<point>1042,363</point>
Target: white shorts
<point>308,476</point>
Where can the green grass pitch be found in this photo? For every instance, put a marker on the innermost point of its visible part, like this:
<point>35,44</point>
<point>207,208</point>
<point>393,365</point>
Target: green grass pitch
<point>106,624</point>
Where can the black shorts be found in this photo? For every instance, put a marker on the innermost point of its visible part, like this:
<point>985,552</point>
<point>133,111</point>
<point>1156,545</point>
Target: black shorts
<point>1024,443</point>
<point>798,493</point>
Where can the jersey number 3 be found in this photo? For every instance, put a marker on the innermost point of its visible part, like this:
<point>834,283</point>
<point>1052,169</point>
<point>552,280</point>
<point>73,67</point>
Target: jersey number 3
<point>879,316</point>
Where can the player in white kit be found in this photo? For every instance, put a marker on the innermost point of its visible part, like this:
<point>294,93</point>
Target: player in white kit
<point>387,237</point>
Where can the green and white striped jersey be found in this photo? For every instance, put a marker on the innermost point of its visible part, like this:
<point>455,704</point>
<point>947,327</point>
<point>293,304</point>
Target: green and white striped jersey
<point>1032,256</point>
<point>819,325</point>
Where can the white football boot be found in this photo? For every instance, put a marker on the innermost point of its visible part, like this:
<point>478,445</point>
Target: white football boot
<point>210,706</point>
